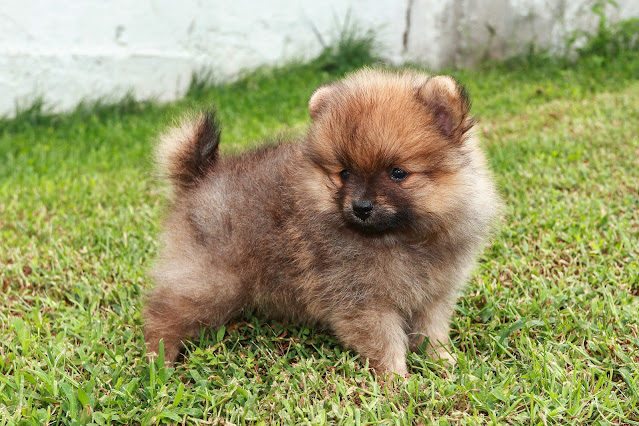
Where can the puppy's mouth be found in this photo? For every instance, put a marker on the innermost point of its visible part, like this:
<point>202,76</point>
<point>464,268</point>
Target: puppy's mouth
<point>376,224</point>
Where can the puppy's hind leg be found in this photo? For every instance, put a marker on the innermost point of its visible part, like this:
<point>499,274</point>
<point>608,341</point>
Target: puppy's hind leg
<point>177,309</point>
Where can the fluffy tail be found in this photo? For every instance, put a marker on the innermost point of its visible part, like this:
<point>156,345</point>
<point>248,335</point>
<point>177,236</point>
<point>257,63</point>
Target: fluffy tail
<point>187,152</point>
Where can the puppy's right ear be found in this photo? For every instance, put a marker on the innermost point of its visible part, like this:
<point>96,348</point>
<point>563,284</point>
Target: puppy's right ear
<point>319,99</point>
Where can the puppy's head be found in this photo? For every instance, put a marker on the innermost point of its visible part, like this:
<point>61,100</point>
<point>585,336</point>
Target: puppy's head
<point>392,150</point>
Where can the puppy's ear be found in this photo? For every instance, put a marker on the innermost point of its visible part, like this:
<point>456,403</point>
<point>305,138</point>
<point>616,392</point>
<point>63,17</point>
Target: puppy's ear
<point>319,99</point>
<point>448,103</point>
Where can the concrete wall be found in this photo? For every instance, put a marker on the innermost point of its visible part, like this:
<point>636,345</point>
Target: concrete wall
<point>69,51</point>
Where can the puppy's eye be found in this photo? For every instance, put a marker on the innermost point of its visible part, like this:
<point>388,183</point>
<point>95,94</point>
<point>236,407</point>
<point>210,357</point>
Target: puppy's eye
<point>398,174</point>
<point>344,174</point>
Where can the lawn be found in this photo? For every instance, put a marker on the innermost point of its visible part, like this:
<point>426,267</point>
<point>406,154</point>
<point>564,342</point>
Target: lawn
<point>547,330</point>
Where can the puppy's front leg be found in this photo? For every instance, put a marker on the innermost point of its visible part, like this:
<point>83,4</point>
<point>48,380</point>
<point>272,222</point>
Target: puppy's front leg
<point>432,322</point>
<point>377,334</point>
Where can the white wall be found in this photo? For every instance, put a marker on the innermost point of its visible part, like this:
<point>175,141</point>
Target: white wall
<point>69,51</point>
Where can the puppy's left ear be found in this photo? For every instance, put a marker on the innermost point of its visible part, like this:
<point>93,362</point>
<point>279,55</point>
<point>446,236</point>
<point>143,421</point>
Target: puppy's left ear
<point>448,104</point>
<point>319,100</point>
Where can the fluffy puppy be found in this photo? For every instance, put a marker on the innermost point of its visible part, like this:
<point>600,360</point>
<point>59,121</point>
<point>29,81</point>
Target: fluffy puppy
<point>368,226</point>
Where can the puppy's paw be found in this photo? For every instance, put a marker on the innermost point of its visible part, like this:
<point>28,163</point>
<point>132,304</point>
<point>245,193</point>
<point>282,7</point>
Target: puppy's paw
<point>157,348</point>
<point>445,355</point>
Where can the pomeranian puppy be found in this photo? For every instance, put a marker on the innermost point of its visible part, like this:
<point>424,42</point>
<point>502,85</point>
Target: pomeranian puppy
<point>368,226</point>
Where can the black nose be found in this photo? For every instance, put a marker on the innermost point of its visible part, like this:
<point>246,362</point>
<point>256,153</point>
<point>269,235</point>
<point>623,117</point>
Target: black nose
<point>363,209</point>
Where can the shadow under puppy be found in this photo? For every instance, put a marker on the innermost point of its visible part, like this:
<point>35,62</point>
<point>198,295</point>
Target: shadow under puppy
<point>368,226</point>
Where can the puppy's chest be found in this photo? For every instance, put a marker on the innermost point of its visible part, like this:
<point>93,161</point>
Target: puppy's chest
<point>357,274</point>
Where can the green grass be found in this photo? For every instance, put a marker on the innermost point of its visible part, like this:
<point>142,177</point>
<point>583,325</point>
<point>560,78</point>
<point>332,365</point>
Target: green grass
<point>547,330</point>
